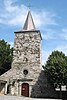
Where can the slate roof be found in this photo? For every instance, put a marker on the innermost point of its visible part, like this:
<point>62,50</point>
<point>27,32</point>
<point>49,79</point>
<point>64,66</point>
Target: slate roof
<point>29,23</point>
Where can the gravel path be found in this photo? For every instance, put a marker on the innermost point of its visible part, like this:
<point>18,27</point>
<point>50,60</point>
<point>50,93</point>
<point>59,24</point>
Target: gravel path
<point>21,98</point>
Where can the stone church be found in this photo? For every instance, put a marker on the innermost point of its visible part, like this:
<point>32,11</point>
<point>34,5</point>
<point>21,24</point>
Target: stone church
<point>26,78</point>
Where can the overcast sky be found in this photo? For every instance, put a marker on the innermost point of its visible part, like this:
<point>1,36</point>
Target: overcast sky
<point>50,17</point>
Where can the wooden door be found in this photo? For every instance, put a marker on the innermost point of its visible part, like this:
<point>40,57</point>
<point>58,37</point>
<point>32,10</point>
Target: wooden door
<point>25,89</point>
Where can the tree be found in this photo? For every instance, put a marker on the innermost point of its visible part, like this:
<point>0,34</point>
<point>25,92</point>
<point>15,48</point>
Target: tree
<point>56,69</point>
<point>5,56</point>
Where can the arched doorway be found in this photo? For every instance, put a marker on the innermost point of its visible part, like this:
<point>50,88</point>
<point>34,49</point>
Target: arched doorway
<point>25,89</point>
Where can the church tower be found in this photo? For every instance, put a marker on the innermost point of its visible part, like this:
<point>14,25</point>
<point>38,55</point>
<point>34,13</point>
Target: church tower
<point>22,78</point>
<point>27,46</point>
<point>27,54</point>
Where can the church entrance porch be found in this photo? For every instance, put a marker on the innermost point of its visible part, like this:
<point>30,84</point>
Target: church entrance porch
<point>25,89</point>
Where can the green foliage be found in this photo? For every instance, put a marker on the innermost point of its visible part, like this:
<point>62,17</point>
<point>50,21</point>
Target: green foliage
<point>5,56</point>
<point>56,68</point>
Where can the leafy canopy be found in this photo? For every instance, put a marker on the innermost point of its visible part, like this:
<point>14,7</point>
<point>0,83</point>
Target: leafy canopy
<point>56,68</point>
<point>5,56</point>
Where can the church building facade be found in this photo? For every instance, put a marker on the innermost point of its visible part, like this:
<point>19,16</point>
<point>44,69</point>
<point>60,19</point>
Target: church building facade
<point>22,78</point>
<point>26,77</point>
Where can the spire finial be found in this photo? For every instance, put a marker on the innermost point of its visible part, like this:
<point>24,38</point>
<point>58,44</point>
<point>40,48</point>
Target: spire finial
<point>29,23</point>
<point>29,5</point>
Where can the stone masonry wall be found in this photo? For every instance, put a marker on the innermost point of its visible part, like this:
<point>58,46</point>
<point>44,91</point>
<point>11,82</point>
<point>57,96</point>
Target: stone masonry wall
<point>27,56</point>
<point>26,49</point>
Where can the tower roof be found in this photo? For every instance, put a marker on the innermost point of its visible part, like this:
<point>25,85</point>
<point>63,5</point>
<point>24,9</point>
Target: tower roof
<point>29,24</point>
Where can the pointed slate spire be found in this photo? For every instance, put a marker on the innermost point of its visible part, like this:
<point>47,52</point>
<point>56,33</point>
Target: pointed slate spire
<point>29,24</point>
